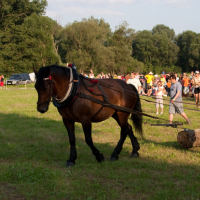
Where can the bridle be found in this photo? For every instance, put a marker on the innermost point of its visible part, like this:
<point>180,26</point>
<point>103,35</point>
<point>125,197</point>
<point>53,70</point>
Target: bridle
<point>50,94</point>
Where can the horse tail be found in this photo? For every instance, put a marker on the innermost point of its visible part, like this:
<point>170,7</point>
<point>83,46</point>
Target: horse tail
<point>137,119</point>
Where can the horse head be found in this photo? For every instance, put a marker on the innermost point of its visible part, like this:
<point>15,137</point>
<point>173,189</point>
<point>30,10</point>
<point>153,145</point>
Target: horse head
<point>43,86</point>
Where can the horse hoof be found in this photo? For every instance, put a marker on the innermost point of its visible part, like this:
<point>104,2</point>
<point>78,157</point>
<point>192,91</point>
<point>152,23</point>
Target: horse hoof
<point>100,158</point>
<point>70,164</point>
<point>113,159</point>
<point>135,155</point>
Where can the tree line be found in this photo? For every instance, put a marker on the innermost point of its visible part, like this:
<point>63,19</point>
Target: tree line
<point>28,38</point>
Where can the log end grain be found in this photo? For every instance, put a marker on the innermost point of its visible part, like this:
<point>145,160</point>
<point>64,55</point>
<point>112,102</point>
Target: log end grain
<point>189,138</point>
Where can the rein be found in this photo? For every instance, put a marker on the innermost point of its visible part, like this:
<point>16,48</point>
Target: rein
<point>127,92</point>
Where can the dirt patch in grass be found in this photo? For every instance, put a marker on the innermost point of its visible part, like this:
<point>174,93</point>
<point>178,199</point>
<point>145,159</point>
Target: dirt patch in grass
<point>9,192</point>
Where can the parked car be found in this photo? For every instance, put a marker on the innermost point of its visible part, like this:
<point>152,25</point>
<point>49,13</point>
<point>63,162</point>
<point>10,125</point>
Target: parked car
<point>18,79</point>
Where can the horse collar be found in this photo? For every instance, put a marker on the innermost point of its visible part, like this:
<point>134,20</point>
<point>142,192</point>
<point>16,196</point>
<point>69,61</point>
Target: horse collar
<point>71,92</point>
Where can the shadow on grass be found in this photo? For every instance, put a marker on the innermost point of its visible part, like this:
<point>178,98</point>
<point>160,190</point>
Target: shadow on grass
<point>23,137</point>
<point>33,152</point>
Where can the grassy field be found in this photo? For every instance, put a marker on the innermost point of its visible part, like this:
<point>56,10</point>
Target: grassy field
<point>34,148</point>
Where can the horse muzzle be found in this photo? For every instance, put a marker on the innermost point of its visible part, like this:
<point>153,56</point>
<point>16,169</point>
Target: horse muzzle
<point>42,108</point>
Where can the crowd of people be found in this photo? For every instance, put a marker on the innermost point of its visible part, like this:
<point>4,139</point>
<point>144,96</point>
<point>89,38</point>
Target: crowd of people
<point>147,84</point>
<point>165,84</point>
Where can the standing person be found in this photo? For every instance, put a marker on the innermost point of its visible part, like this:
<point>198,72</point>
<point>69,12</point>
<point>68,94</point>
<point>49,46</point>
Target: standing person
<point>191,85</point>
<point>186,84</point>
<point>175,105</point>
<point>137,75</point>
<point>109,75</point>
<point>159,97</point>
<point>163,80</point>
<point>168,86</point>
<point>163,73</point>
<point>127,77</point>
<point>196,84</point>
<point>91,74</point>
<point>134,81</point>
<point>177,78</point>
<point>2,81</point>
<point>149,78</point>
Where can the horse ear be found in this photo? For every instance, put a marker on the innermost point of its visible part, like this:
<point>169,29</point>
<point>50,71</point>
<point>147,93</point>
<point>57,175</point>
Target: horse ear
<point>35,71</point>
<point>47,72</point>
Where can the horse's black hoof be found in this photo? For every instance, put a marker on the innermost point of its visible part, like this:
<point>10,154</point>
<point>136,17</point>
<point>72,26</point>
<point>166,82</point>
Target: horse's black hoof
<point>100,158</point>
<point>70,164</point>
<point>113,158</point>
<point>135,155</point>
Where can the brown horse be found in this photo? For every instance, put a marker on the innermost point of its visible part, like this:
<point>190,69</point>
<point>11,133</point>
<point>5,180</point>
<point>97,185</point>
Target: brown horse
<point>53,81</point>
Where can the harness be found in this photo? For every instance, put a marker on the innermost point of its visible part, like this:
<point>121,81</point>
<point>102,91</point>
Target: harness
<point>71,94</point>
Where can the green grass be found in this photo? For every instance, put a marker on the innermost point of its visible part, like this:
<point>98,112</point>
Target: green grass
<point>34,148</point>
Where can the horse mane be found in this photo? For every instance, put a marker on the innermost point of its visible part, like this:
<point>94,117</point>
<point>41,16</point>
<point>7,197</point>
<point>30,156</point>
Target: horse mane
<point>42,70</point>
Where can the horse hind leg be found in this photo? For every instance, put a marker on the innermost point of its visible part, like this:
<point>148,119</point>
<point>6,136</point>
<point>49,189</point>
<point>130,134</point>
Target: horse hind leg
<point>134,142</point>
<point>87,127</point>
<point>118,148</point>
<point>121,119</point>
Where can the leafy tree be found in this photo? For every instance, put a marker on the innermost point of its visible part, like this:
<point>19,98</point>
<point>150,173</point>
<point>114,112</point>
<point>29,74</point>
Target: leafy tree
<point>27,38</point>
<point>164,30</point>
<point>40,31</point>
<point>156,47</point>
<point>15,11</point>
<point>189,44</point>
<point>83,43</point>
<point>27,45</point>
<point>120,44</point>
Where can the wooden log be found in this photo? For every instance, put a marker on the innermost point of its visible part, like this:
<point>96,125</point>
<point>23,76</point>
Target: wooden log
<point>189,138</point>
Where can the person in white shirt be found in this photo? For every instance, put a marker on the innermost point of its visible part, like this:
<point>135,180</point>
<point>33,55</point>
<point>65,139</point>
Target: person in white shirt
<point>134,81</point>
<point>159,97</point>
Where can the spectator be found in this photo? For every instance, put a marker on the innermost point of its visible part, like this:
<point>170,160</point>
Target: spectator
<point>150,90</point>
<point>163,74</point>
<point>191,85</point>
<point>186,84</point>
<point>163,80</point>
<point>177,78</point>
<point>196,83</point>
<point>149,78</point>
<point>159,97</point>
<point>2,82</point>
<point>127,77</point>
<point>134,81</point>
<point>168,87</point>
<point>91,74</point>
<point>109,75</point>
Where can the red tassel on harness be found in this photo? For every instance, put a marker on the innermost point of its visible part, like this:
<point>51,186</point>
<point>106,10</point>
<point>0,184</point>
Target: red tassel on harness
<point>94,81</point>
<point>91,90</point>
<point>49,78</point>
<point>70,65</point>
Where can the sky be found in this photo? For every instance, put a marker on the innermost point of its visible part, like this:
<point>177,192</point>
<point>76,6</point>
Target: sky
<point>180,15</point>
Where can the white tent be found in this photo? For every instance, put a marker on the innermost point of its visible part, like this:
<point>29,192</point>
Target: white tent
<point>32,76</point>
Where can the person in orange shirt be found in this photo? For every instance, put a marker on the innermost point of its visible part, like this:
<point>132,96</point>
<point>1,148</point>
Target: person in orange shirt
<point>186,84</point>
<point>168,87</point>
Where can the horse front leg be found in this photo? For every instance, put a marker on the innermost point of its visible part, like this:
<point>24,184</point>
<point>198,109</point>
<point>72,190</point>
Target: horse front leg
<point>87,128</point>
<point>72,140</point>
